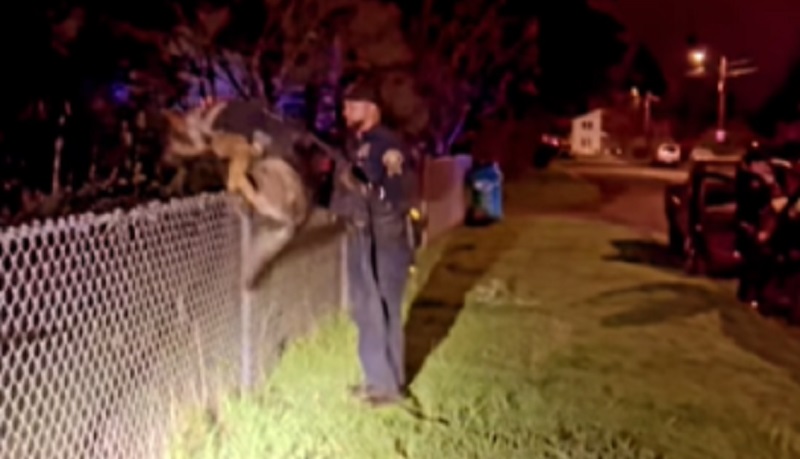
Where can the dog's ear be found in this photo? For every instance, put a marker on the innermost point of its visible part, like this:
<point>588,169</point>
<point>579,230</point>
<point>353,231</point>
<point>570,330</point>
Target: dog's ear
<point>175,121</point>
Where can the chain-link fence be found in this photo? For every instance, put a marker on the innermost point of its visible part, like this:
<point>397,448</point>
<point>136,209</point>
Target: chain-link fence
<point>110,325</point>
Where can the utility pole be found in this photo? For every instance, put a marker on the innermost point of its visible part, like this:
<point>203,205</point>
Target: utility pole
<point>649,98</point>
<point>727,69</point>
<point>646,104</point>
<point>721,93</point>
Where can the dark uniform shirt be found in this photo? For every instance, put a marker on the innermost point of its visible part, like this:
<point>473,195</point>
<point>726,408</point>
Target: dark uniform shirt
<point>760,201</point>
<point>389,166</point>
<point>386,164</point>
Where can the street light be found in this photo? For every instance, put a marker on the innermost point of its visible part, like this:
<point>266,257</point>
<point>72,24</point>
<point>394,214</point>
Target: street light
<point>648,98</point>
<point>697,57</point>
<point>726,69</point>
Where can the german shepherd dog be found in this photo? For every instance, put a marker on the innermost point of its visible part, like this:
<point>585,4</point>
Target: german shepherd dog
<point>264,166</point>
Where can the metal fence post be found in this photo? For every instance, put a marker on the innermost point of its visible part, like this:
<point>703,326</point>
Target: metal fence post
<point>246,374</point>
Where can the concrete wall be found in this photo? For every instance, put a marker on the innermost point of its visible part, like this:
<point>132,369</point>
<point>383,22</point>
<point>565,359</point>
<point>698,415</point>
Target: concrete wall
<point>443,193</point>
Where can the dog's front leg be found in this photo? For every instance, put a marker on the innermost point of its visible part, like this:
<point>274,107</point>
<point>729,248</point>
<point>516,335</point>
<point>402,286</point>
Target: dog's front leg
<point>237,176</point>
<point>238,183</point>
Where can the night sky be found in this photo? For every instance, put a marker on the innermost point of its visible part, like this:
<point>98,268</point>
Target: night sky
<point>765,30</point>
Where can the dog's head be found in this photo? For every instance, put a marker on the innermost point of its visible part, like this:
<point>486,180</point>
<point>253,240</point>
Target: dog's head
<point>190,133</point>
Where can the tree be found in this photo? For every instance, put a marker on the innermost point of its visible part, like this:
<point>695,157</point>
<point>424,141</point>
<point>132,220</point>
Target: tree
<point>782,106</point>
<point>579,47</point>
<point>644,72</point>
<point>435,69</point>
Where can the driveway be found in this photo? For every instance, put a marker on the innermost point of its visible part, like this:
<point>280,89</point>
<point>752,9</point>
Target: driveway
<point>612,168</point>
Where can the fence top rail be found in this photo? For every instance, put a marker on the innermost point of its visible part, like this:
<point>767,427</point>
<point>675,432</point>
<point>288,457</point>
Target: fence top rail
<point>151,210</point>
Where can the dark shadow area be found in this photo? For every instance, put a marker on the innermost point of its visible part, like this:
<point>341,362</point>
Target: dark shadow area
<point>644,252</point>
<point>436,307</point>
<point>669,301</point>
<point>768,339</point>
<point>609,189</point>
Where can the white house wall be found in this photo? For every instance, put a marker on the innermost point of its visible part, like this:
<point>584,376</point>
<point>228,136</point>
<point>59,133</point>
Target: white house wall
<point>586,137</point>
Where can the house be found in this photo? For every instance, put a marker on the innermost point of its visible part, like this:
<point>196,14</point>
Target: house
<point>587,136</point>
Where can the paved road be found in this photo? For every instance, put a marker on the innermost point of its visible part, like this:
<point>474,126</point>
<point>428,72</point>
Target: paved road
<point>631,195</point>
<point>609,169</point>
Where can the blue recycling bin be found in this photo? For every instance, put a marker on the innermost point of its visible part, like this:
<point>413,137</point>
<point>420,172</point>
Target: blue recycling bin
<point>486,186</point>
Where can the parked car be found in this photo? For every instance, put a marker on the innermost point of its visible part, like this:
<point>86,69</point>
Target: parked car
<point>667,154</point>
<point>701,154</point>
<point>701,217</point>
<point>742,215</point>
<point>550,147</point>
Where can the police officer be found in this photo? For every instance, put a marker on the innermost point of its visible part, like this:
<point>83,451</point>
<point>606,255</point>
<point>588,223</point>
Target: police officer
<point>759,201</point>
<point>375,203</point>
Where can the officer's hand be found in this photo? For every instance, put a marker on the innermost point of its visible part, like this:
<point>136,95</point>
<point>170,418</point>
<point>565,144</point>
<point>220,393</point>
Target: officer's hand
<point>779,203</point>
<point>359,174</point>
<point>350,182</point>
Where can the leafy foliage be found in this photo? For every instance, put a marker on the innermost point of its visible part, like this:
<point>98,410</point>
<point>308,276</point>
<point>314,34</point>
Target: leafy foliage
<point>439,65</point>
<point>578,48</point>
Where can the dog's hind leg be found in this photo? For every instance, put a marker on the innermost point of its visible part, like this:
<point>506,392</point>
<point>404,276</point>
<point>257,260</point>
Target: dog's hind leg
<point>279,201</point>
<point>265,244</point>
<point>278,194</point>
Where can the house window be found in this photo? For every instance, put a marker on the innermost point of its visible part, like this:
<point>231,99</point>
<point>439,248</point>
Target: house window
<point>588,125</point>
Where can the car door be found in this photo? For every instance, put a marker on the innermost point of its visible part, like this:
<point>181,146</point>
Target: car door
<point>676,198</point>
<point>715,226</point>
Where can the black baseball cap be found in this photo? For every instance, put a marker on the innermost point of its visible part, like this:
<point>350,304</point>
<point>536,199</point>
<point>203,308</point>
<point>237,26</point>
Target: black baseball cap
<point>363,90</point>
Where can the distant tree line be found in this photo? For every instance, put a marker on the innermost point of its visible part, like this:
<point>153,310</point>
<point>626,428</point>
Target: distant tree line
<point>87,79</point>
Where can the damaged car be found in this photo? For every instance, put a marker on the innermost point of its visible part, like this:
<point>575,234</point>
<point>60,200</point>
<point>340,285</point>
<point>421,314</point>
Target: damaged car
<point>701,217</point>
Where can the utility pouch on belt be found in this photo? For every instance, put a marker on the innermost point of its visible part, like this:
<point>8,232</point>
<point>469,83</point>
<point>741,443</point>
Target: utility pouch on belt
<point>416,223</point>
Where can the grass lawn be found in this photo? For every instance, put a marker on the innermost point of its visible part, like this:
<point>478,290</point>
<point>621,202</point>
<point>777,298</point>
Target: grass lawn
<point>535,339</point>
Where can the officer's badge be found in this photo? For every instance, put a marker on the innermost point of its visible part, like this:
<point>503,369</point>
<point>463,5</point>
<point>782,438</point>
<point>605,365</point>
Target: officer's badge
<point>363,151</point>
<point>393,162</point>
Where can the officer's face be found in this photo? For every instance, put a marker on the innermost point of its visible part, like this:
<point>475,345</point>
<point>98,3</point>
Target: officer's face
<point>356,113</point>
